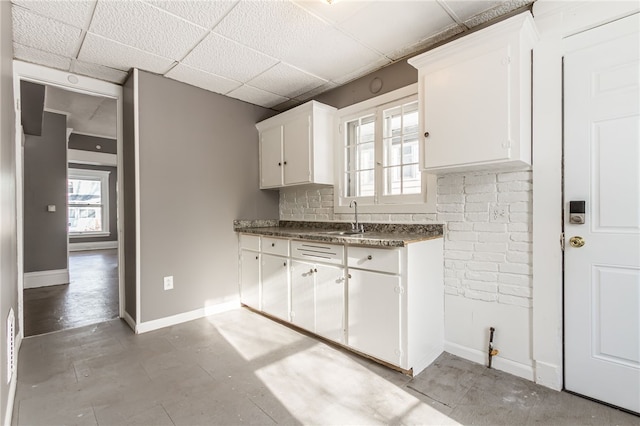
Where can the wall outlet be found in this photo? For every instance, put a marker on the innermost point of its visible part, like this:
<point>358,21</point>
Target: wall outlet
<point>168,283</point>
<point>498,213</point>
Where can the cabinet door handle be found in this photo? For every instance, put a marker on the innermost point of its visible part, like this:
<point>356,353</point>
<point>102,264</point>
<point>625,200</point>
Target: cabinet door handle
<point>426,134</point>
<point>348,275</point>
<point>369,257</point>
<point>279,164</point>
<point>315,270</point>
<point>285,163</point>
<point>311,271</point>
<point>256,257</point>
<point>285,263</point>
<point>273,244</point>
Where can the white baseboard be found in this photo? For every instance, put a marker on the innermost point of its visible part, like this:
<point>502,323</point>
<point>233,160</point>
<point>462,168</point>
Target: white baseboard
<point>129,320</point>
<point>480,357</point>
<point>11,396</point>
<point>147,326</point>
<point>46,278</point>
<point>96,245</point>
<point>549,375</point>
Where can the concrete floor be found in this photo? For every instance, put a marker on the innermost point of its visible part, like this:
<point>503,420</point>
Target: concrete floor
<point>241,368</point>
<point>90,297</point>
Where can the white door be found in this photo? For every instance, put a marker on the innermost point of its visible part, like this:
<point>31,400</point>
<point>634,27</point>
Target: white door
<point>602,168</point>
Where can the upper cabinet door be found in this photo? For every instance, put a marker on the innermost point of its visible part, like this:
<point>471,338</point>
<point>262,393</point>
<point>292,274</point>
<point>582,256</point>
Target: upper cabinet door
<point>296,146</point>
<point>475,99</point>
<point>297,150</point>
<point>271,157</point>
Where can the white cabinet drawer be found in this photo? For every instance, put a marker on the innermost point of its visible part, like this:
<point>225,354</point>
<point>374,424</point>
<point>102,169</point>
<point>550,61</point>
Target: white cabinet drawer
<point>317,252</point>
<point>275,246</point>
<point>375,259</point>
<point>250,242</point>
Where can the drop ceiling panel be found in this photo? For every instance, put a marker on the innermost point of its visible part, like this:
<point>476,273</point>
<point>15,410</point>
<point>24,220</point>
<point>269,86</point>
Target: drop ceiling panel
<point>221,56</point>
<point>29,54</point>
<point>256,96</point>
<point>466,9</point>
<point>59,38</point>
<point>145,27</point>
<point>100,50</point>
<point>335,13</point>
<point>76,13</point>
<point>202,79</point>
<point>99,71</point>
<point>286,81</point>
<point>203,13</point>
<point>404,22</point>
<point>312,93</point>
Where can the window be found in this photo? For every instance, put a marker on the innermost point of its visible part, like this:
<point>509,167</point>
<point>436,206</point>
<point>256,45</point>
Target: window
<point>88,202</point>
<point>380,153</point>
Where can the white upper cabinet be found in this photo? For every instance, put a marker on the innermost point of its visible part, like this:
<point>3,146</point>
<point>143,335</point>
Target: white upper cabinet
<point>475,99</point>
<point>296,146</point>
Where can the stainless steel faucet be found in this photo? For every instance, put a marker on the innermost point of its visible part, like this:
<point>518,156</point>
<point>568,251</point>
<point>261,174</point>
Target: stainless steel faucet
<point>357,226</point>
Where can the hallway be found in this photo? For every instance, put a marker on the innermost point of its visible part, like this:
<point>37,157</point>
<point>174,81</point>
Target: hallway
<point>91,297</point>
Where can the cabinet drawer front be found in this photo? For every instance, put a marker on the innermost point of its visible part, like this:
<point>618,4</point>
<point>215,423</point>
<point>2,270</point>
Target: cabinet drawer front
<point>317,252</point>
<point>375,259</point>
<point>250,242</point>
<point>275,246</point>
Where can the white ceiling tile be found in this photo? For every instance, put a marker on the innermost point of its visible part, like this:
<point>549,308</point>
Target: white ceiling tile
<point>427,42</point>
<point>315,92</point>
<point>336,12</point>
<point>203,13</point>
<point>29,54</point>
<point>30,29</point>
<point>100,72</point>
<point>404,23</point>
<point>256,96</point>
<point>76,13</point>
<point>145,27</point>
<point>100,50</point>
<point>287,81</point>
<point>465,9</point>
<point>202,79</point>
<point>221,56</point>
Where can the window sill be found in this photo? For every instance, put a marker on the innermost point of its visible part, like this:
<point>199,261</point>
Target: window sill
<point>89,234</point>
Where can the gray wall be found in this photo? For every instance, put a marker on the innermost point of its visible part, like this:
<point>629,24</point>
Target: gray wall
<point>32,107</point>
<point>113,205</point>
<point>45,182</point>
<point>129,167</point>
<point>198,172</point>
<point>8,230</point>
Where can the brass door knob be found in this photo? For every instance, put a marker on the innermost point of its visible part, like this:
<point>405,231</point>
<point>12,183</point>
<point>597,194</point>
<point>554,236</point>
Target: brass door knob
<point>576,241</point>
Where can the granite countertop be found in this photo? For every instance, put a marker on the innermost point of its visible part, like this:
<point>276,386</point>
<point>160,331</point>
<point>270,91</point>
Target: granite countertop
<point>376,234</point>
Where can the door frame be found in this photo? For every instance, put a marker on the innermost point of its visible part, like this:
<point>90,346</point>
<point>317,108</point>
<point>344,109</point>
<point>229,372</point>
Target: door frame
<point>80,84</point>
<point>555,21</point>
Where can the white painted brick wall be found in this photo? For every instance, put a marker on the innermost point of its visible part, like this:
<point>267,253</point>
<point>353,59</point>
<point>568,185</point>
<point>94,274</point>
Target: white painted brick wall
<point>487,246</point>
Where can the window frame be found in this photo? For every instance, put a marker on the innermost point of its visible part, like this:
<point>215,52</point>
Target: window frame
<point>378,203</point>
<point>103,177</point>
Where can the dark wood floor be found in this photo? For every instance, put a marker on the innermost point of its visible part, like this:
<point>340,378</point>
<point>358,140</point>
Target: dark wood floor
<point>90,297</point>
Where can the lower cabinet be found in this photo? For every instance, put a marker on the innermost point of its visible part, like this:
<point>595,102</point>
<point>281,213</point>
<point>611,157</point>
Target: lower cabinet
<point>374,314</point>
<point>250,278</point>
<point>317,298</point>
<point>275,286</point>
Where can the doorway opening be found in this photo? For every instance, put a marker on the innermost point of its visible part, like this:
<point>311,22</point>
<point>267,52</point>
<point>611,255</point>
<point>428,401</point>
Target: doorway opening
<point>69,191</point>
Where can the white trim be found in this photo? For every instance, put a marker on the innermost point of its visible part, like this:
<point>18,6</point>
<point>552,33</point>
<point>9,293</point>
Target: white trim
<point>103,176</point>
<point>90,235</point>
<point>95,135</point>
<point>80,156</point>
<point>95,245</point>
<point>11,396</point>
<point>136,166</point>
<point>187,316</point>
<point>46,278</point>
<point>517,369</point>
<point>555,21</point>
<point>87,85</point>
<point>129,320</point>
